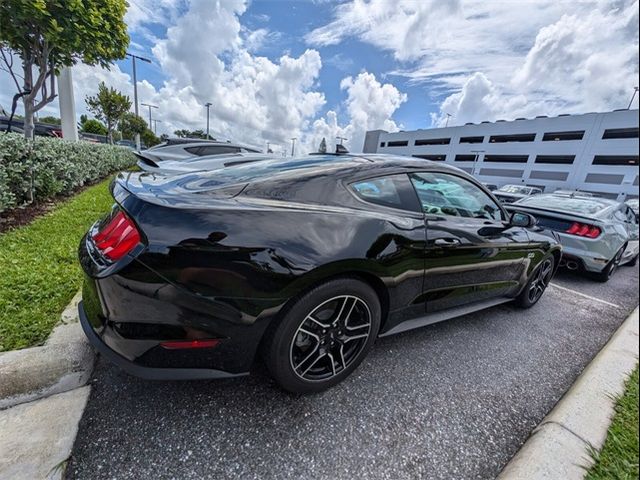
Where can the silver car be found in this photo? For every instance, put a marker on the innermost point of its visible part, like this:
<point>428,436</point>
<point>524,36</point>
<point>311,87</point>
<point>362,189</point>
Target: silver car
<point>148,163</point>
<point>597,234</point>
<point>205,148</point>
<point>513,193</point>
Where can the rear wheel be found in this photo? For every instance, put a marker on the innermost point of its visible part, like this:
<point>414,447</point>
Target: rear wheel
<point>537,284</point>
<point>324,336</point>
<point>611,268</point>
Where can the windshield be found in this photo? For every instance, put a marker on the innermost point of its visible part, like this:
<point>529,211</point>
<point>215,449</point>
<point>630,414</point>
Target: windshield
<point>515,189</point>
<point>581,206</point>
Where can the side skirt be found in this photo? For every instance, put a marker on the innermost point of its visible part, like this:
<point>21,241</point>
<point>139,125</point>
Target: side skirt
<point>444,315</point>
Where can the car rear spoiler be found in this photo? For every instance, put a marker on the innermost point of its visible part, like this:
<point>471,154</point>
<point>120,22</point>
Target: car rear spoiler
<point>146,159</point>
<point>549,213</point>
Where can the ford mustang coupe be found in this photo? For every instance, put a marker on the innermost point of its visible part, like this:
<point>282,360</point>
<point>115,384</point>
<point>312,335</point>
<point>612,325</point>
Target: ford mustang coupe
<point>299,264</point>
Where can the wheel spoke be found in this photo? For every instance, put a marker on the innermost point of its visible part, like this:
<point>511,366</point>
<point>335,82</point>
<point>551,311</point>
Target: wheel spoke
<point>333,363</point>
<point>355,337</point>
<point>318,322</point>
<point>344,364</point>
<point>321,356</point>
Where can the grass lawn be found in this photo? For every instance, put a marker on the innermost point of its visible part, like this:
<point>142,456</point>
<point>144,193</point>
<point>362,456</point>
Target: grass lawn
<point>619,456</point>
<point>39,271</point>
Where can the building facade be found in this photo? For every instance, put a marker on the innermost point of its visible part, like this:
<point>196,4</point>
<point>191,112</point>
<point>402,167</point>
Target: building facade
<point>594,152</point>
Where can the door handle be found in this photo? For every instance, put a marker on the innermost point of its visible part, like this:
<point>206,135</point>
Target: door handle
<point>446,242</point>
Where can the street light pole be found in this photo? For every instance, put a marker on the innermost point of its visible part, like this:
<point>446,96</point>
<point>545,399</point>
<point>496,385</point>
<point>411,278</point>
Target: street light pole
<point>293,146</point>
<point>150,107</point>
<point>447,122</point>
<point>155,126</point>
<point>635,90</point>
<point>341,139</point>
<point>135,89</point>
<point>208,104</point>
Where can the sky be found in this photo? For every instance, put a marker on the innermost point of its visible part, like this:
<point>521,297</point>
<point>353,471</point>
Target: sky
<point>277,69</point>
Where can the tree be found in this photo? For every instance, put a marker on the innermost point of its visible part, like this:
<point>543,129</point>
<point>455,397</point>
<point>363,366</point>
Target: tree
<point>93,126</point>
<point>132,124</point>
<point>46,35</point>
<point>149,138</point>
<point>184,133</point>
<point>323,146</point>
<point>51,120</point>
<point>109,105</point>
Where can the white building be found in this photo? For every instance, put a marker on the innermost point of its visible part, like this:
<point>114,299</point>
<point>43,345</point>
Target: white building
<point>594,152</point>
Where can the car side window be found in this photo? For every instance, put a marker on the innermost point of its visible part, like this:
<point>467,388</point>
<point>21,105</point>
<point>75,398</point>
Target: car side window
<point>631,216</point>
<point>446,194</point>
<point>393,191</point>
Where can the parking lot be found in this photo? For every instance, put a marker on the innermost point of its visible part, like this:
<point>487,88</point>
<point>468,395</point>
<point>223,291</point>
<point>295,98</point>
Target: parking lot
<point>452,400</point>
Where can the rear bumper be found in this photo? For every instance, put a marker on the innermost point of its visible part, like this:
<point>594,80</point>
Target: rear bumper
<point>150,373</point>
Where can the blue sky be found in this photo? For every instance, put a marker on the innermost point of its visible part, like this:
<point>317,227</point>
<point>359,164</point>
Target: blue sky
<point>312,69</point>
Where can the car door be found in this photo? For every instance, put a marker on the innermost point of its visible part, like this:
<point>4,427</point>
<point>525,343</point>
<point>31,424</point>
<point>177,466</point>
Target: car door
<point>472,253</point>
<point>398,249</point>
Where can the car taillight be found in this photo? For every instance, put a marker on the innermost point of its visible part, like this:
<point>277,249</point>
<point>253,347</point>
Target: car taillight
<point>584,230</point>
<point>117,238</point>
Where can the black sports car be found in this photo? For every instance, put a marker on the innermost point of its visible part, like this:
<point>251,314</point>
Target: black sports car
<point>297,263</point>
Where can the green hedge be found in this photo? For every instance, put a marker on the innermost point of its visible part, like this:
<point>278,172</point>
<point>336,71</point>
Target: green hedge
<point>40,169</point>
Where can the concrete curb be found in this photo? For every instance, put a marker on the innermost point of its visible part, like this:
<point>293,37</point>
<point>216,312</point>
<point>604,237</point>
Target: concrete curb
<point>37,437</point>
<point>559,446</point>
<point>63,363</point>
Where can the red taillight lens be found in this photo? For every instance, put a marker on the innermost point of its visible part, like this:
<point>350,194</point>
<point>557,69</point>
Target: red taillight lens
<point>117,238</point>
<point>583,230</point>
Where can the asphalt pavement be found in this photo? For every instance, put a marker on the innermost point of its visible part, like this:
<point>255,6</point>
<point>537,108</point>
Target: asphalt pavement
<point>454,400</point>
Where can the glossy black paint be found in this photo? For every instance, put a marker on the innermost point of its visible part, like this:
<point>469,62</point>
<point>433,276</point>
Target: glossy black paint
<point>222,259</point>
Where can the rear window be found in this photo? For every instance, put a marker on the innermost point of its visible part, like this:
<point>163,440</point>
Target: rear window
<point>582,206</point>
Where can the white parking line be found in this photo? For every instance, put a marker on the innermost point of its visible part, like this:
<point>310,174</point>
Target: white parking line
<point>584,295</point>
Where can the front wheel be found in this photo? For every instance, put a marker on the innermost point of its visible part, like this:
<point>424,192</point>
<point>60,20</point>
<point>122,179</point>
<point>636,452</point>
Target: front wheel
<point>324,336</point>
<point>537,284</point>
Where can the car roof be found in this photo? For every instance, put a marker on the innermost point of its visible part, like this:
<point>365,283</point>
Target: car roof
<point>571,204</point>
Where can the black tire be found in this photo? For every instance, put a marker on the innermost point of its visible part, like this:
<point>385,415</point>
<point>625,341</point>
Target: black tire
<point>633,262</point>
<point>537,284</point>
<point>305,357</point>
<point>607,273</point>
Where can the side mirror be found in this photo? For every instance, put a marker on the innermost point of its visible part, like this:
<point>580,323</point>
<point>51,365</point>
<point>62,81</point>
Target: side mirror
<point>519,219</point>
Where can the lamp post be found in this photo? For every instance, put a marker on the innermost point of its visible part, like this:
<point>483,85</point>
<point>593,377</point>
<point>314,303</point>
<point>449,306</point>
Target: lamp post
<point>341,139</point>
<point>208,104</point>
<point>135,89</point>
<point>293,146</point>
<point>447,122</point>
<point>155,125</point>
<point>150,107</point>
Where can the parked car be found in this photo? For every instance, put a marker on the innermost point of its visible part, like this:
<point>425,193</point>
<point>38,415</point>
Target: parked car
<point>513,193</point>
<point>634,205</point>
<point>491,187</point>
<point>131,144</point>
<point>180,151</point>
<point>299,263</point>
<point>148,163</point>
<point>40,129</point>
<point>597,234</point>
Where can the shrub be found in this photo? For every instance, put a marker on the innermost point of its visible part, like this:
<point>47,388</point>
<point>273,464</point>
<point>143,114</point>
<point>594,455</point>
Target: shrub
<point>35,170</point>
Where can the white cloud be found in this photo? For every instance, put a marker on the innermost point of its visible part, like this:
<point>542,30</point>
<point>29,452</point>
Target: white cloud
<point>524,58</point>
<point>369,105</point>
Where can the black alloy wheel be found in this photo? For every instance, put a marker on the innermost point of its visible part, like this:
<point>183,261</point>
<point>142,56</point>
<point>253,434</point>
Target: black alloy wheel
<point>537,284</point>
<point>324,336</point>
<point>611,268</point>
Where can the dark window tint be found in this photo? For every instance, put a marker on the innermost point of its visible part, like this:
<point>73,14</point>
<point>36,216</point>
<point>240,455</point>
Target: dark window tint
<point>521,137</point>
<point>217,150</point>
<point>556,159</point>
<point>620,133</point>
<point>465,158</point>
<point>445,194</point>
<point>398,143</point>
<point>615,160</point>
<point>506,158</point>
<point>434,157</point>
<point>560,136</point>
<point>471,139</point>
<point>392,191</point>
<point>382,144</point>
<point>433,141</point>
<point>193,150</point>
